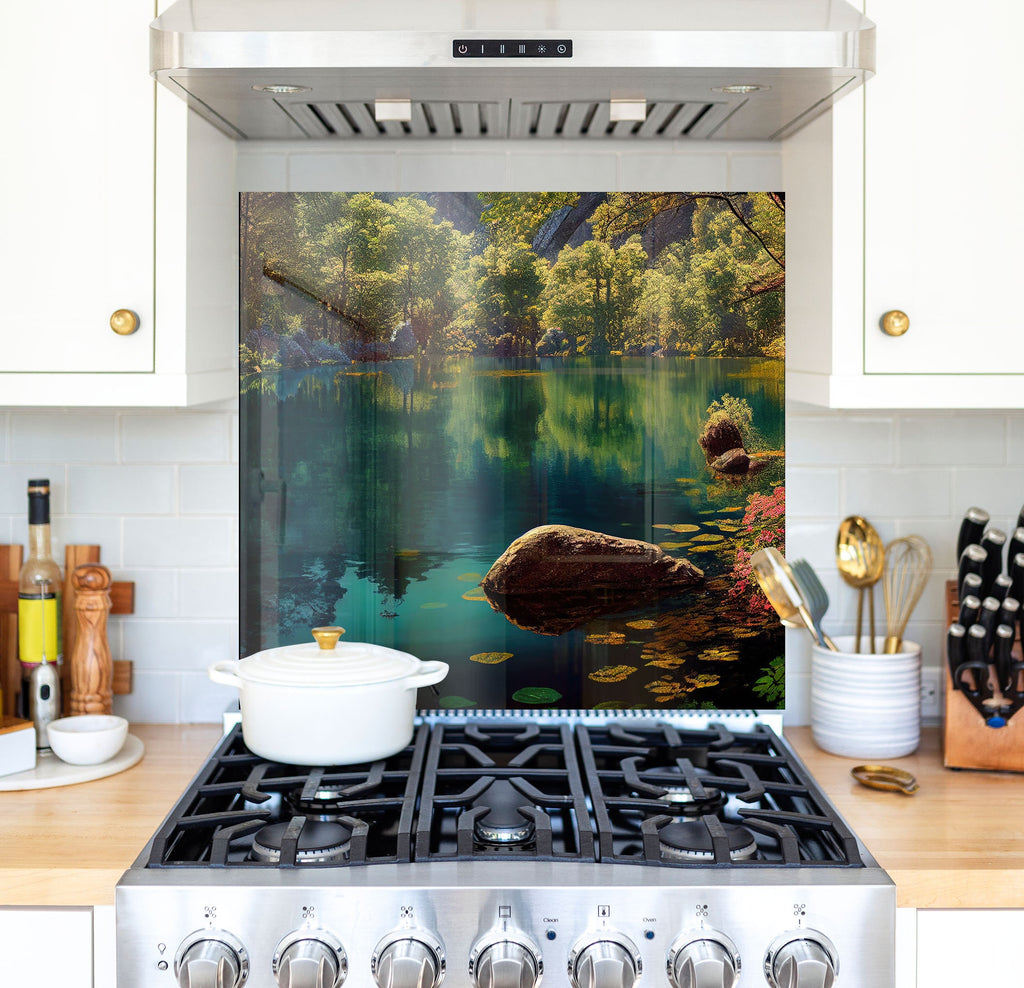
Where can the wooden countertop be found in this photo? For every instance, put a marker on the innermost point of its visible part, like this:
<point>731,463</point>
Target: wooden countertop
<point>957,843</point>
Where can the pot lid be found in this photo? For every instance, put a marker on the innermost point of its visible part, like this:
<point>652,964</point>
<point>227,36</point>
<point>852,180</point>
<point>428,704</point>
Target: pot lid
<point>328,662</point>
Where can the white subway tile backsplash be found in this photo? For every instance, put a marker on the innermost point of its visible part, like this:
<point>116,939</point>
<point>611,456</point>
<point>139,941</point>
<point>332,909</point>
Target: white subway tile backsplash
<point>203,701</point>
<point>156,592</point>
<point>173,437</point>
<point>101,530</point>
<point>812,492</point>
<point>179,542</point>
<point>155,697</point>
<point>208,593</point>
<point>80,437</point>
<point>179,645</point>
<point>122,490</point>
<point>14,478</point>
<point>896,493</point>
<point>813,440</point>
<point>999,490</point>
<point>209,490</point>
<point>926,439</point>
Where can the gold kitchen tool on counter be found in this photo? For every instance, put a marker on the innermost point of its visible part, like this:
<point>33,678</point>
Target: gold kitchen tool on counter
<point>860,559</point>
<point>885,777</point>
<point>908,564</point>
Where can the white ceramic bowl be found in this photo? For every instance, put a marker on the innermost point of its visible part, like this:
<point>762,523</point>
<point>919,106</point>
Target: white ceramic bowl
<point>88,739</point>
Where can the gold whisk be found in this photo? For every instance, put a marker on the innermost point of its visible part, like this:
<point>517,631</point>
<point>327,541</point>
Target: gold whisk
<point>908,564</point>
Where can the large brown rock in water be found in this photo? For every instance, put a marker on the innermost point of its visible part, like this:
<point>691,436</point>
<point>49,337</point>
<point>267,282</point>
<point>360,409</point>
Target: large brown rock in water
<point>719,436</point>
<point>559,558</point>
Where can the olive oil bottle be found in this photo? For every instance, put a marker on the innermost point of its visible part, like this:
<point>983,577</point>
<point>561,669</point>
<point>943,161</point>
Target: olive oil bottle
<point>39,595</point>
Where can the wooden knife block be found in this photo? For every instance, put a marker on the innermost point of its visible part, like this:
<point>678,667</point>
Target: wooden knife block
<point>122,596</point>
<point>967,741</point>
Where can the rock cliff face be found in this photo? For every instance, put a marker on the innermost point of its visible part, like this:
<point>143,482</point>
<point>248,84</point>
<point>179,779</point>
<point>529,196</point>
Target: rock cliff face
<point>555,577</point>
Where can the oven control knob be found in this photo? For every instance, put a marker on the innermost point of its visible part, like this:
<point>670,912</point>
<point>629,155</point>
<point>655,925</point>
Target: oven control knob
<point>507,961</point>
<point>606,960</point>
<point>801,959</point>
<point>705,960</point>
<point>409,959</point>
<point>211,959</point>
<point>310,959</point>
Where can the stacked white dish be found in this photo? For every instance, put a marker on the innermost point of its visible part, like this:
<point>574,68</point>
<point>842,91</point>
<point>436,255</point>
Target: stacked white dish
<point>866,705</point>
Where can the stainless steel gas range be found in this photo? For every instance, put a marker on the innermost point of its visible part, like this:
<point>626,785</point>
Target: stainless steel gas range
<point>501,853</point>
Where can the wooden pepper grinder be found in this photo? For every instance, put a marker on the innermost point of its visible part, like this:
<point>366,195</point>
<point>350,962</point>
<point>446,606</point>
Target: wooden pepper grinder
<point>92,670</point>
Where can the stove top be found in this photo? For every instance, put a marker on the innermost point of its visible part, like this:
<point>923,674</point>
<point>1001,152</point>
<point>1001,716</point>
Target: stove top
<point>496,851</point>
<point>645,794</point>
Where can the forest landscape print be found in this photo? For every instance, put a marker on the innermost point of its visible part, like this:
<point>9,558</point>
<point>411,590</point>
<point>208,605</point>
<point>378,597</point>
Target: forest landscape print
<point>535,435</point>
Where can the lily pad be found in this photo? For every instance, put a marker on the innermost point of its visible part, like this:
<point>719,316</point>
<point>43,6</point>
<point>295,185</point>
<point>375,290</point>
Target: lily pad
<point>607,638</point>
<point>407,553</point>
<point>611,674</point>
<point>666,663</point>
<point>679,528</point>
<point>643,624</point>
<point>477,593</point>
<point>609,705</point>
<point>432,605</point>
<point>708,537</point>
<point>451,702</point>
<point>468,577</point>
<point>536,694</point>
<point>490,658</point>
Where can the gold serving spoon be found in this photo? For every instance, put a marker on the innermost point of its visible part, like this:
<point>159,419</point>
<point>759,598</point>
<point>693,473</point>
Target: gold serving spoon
<point>860,559</point>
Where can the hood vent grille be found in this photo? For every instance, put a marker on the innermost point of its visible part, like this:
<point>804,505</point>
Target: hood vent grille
<point>575,119</point>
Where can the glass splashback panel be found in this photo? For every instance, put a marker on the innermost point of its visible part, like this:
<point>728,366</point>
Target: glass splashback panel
<point>534,435</point>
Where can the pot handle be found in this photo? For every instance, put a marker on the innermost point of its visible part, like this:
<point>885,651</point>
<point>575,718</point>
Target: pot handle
<point>430,673</point>
<point>224,673</point>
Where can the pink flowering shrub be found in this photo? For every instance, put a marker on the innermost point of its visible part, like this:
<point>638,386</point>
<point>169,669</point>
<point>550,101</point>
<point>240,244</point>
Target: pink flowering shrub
<point>765,524</point>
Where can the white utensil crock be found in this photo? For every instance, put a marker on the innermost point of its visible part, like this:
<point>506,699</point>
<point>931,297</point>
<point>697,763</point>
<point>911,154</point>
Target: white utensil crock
<point>336,705</point>
<point>863,705</point>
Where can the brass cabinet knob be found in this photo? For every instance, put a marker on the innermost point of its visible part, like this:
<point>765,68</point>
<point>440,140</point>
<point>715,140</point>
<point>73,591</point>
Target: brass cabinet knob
<point>124,322</point>
<point>895,323</point>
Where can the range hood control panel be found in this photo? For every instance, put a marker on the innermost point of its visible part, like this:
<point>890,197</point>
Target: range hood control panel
<point>514,48</point>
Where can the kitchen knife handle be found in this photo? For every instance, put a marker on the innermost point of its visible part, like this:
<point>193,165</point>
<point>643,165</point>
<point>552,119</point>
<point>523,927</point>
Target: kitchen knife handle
<point>988,618</point>
<point>1016,545</point>
<point>970,607</point>
<point>955,650</point>
<point>977,663</point>
<point>1001,587</point>
<point>1017,576</point>
<point>971,528</point>
<point>1009,612</point>
<point>1004,644</point>
<point>972,560</point>
<point>993,542</point>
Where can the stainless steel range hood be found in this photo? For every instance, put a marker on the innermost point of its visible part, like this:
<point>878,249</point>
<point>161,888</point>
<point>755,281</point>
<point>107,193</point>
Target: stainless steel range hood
<point>495,69</point>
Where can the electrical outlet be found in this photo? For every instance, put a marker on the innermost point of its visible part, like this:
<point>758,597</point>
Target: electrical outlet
<point>931,694</point>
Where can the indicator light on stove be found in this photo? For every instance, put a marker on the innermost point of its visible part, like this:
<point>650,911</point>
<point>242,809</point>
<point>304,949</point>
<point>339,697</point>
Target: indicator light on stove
<point>608,960</point>
<point>310,959</point>
<point>211,959</point>
<point>801,959</point>
<point>707,960</point>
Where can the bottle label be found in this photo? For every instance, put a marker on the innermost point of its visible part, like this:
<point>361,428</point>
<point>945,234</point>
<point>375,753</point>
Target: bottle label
<point>39,629</point>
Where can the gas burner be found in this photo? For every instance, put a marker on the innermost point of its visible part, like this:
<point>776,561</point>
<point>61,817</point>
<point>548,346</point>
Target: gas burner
<point>682,802</point>
<point>691,841</point>
<point>319,843</point>
<point>502,824</point>
<point>326,803</point>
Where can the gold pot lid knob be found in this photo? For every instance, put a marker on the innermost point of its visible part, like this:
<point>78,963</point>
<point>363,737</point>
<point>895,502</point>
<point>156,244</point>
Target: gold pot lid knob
<point>895,323</point>
<point>327,637</point>
<point>124,322</point>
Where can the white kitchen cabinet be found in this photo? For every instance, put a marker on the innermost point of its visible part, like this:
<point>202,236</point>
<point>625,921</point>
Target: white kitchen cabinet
<point>46,947</point>
<point>902,199</point>
<point>101,213</point>
<point>969,947</point>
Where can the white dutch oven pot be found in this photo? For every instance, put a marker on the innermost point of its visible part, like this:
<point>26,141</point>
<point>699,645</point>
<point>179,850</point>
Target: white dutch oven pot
<point>325,702</point>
